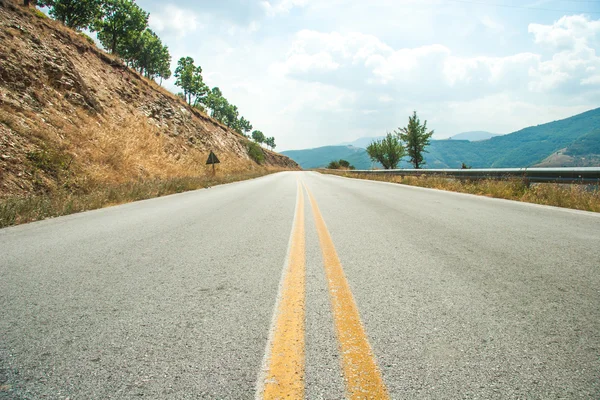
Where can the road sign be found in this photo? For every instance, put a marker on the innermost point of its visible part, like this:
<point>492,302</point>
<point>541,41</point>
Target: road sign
<point>212,159</point>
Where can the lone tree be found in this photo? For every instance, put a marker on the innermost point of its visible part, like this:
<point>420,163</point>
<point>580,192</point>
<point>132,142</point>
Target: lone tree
<point>387,151</point>
<point>416,137</point>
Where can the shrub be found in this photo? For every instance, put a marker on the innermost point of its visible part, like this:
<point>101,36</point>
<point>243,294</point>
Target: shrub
<point>87,38</point>
<point>255,152</point>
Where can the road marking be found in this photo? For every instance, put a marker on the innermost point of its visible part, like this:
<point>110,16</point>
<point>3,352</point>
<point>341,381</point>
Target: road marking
<point>363,378</point>
<point>282,375</point>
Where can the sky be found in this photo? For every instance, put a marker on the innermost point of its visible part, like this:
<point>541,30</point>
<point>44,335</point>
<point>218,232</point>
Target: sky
<point>322,72</point>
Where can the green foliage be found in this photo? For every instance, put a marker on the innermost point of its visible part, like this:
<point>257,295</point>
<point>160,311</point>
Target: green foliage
<point>270,142</point>
<point>255,152</point>
<point>146,53</point>
<point>333,165</point>
<point>416,138</point>
<point>340,164</point>
<point>189,78</point>
<point>87,38</point>
<point>76,14</point>
<point>320,156</point>
<point>387,151</point>
<point>39,14</point>
<point>585,145</point>
<point>245,126</point>
<point>121,21</point>
<point>258,137</point>
<point>50,161</point>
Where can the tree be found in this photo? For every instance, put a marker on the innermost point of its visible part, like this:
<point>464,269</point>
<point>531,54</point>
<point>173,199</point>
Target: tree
<point>245,126</point>
<point>416,137</point>
<point>344,164</point>
<point>189,78</point>
<point>387,151</point>
<point>258,137</point>
<point>146,54</point>
<point>270,142</point>
<point>76,14</point>
<point>122,20</point>
<point>333,165</point>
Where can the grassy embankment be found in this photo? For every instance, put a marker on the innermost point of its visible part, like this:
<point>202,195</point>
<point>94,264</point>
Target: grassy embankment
<point>91,167</point>
<point>19,210</point>
<point>577,197</point>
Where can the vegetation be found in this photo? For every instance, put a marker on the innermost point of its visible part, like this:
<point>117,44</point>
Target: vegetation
<point>416,138</point>
<point>76,14</point>
<point>256,153</point>
<point>340,164</point>
<point>387,151</point>
<point>578,135</point>
<point>578,197</point>
<point>20,210</point>
<point>122,29</point>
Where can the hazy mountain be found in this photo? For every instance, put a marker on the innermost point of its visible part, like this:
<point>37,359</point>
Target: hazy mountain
<point>321,156</point>
<point>474,136</point>
<point>362,142</point>
<point>573,141</point>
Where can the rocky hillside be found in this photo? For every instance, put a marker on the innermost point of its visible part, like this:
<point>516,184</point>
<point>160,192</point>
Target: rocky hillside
<point>71,114</point>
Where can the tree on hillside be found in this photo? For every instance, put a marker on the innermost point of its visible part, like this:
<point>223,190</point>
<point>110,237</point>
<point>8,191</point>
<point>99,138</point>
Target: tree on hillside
<point>416,138</point>
<point>270,142</point>
<point>146,54</point>
<point>245,126</point>
<point>189,78</point>
<point>121,20</point>
<point>340,164</point>
<point>258,137</point>
<point>76,14</point>
<point>387,151</point>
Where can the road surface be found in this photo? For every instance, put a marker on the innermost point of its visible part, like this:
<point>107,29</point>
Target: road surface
<point>303,285</point>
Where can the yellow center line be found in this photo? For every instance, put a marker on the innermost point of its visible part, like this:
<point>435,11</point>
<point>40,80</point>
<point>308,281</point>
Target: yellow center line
<point>363,378</point>
<point>284,377</point>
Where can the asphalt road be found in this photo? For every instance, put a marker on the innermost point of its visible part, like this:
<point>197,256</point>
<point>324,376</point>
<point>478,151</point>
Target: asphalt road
<point>182,297</point>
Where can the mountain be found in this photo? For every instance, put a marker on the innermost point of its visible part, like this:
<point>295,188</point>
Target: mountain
<point>474,136</point>
<point>74,116</point>
<point>362,142</point>
<point>570,142</point>
<point>321,156</point>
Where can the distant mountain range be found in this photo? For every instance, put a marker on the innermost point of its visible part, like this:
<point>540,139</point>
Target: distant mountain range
<point>570,142</point>
<point>474,136</point>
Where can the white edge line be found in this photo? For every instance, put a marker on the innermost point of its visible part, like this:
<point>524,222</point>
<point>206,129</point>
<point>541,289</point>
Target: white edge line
<point>475,196</point>
<point>262,373</point>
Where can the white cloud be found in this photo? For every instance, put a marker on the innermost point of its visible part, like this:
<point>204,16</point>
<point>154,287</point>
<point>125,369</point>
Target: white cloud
<point>274,8</point>
<point>173,20</point>
<point>569,32</point>
<point>492,25</point>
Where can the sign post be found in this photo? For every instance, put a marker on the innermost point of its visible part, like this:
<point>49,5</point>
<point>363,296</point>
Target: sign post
<point>212,159</point>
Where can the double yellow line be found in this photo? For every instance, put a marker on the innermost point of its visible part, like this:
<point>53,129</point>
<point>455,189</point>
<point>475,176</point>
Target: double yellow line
<point>284,366</point>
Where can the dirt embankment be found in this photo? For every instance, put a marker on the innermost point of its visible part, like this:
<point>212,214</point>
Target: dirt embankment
<point>72,115</point>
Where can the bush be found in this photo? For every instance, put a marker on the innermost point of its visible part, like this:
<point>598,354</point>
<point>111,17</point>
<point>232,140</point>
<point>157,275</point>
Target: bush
<point>39,13</point>
<point>255,152</point>
<point>49,161</point>
<point>87,38</point>
<point>333,165</point>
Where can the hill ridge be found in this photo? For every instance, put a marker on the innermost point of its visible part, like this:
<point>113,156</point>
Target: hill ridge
<point>71,114</point>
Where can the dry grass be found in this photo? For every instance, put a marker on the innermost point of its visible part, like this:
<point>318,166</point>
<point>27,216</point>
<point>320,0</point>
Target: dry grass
<point>20,210</point>
<point>579,197</point>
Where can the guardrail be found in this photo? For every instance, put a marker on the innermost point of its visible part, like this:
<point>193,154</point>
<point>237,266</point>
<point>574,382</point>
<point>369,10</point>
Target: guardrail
<point>587,176</point>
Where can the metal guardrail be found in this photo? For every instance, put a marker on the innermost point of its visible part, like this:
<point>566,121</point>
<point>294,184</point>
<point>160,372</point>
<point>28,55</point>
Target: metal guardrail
<point>588,176</point>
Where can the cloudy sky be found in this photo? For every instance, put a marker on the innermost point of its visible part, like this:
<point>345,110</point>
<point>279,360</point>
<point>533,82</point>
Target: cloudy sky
<point>320,72</point>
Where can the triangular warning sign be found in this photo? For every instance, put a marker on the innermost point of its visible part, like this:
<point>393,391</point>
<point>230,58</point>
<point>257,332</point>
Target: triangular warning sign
<point>212,159</point>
